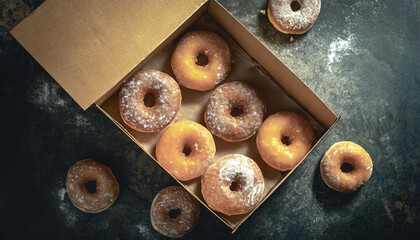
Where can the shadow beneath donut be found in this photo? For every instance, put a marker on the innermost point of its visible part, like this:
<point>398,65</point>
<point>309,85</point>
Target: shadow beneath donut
<point>269,33</point>
<point>329,198</point>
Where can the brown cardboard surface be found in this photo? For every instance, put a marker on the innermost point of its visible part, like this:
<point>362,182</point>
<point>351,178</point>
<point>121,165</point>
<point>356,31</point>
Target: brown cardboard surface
<point>89,46</point>
<point>193,105</point>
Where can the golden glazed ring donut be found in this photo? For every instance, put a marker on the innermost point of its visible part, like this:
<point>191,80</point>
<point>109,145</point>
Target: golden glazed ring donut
<point>149,101</point>
<point>284,139</point>
<point>174,212</point>
<point>185,150</point>
<point>83,175</point>
<point>346,167</point>
<point>185,60</point>
<point>233,185</point>
<point>235,111</point>
<point>293,16</point>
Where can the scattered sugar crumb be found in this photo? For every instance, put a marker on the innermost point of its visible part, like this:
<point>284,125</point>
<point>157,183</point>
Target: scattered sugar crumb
<point>65,207</point>
<point>262,11</point>
<point>338,48</point>
<point>384,138</point>
<point>62,193</point>
<point>143,230</point>
<point>46,95</point>
<point>80,121</point>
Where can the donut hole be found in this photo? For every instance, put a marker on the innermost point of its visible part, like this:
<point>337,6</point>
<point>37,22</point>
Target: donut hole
<point>236,111</point>
<point>238,183</point>
<point>149,100</point>
<point>174,213</point>
<point>202,59</point>
<point>286,140</point>
<point>186,150</point>
<point>295,5</point>
<point>90,186</point>
<point>346,167</point>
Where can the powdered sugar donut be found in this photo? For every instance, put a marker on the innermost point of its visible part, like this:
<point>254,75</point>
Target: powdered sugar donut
<point>235,111</point>
<point>192,73</point>
<point>346,167</point>
<point>293,16</point>
<point>104,189</point>
<point>149,101</point>
<point>233,185</point>
<point>174,212</point>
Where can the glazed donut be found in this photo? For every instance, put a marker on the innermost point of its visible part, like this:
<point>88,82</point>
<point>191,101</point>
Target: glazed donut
<point>293,16</point>
<point>190,72</point>
<point>233,185</point>
<point>235,111</point>
<point>149,101</point>
<point>185,150</point>
<point>346,166</point>
<point>174,212</point>
<point>85,173</point>
<point>284,139</point>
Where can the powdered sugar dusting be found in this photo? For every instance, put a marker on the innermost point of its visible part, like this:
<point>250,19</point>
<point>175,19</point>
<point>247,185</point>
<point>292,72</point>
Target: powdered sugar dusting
<point>233,185</point>
<point>61,193</point>
<point>223,99</point>
<point>239,164</point>
<point>48,95</point>
<point>169,199</point>
<point>166,92</point>
<point>295,20</point>
<point>143,230</point>
<point>106,190</point>
<point>338,49</point>
<point>65,207</point>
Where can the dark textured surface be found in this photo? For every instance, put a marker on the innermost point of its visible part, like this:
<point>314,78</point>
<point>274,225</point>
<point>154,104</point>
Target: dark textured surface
<point>361,57</point>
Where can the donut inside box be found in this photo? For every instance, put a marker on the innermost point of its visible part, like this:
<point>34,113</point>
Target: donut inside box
<point>91,47</point>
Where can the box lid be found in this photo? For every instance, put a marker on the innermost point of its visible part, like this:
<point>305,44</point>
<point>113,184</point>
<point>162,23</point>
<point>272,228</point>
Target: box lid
<point>89,46</point>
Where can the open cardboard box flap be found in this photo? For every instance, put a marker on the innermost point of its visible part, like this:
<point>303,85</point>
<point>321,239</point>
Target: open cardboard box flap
<point>90,46</point>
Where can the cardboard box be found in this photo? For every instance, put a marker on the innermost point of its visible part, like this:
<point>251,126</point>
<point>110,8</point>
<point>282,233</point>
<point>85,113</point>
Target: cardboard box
<point>91,47</point>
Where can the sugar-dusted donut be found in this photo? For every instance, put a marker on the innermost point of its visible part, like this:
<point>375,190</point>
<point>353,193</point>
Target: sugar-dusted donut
<point>293,16</point>
<point>149,101</point>
<point>346,167</point>
<point>284,139</point>
<point>185,149</point>
<point>233,185</point>
<point>174,212</point>
<point>89,172</point>
<point>185,60</point>
<point>235,111</point>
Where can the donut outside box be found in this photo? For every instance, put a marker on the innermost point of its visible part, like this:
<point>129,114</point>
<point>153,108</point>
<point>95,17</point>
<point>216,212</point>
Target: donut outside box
<point>136,42</point>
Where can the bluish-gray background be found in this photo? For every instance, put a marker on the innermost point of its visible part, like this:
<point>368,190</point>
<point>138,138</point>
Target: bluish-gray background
<point>361,57</point>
